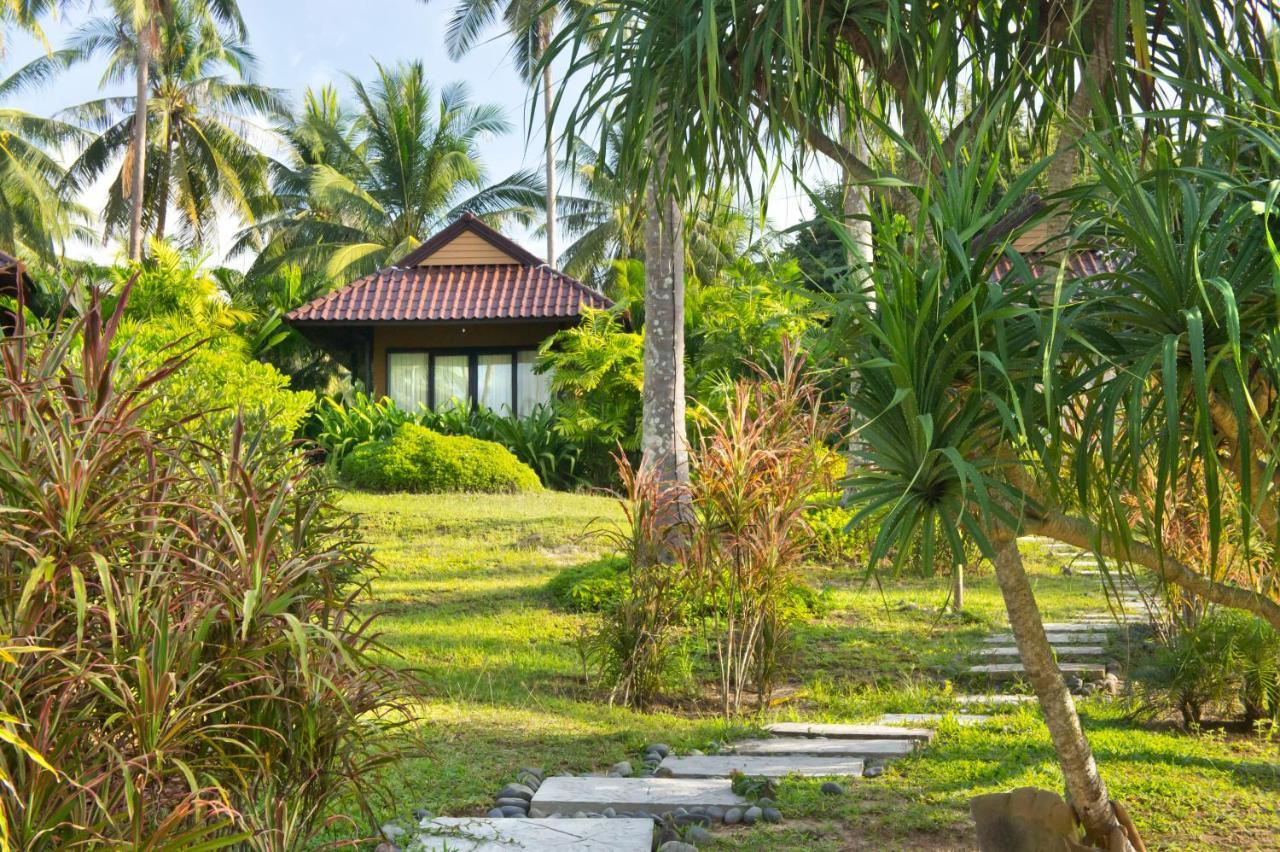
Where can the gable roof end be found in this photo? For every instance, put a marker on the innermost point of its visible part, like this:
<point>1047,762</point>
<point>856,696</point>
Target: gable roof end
<point>468,222</point>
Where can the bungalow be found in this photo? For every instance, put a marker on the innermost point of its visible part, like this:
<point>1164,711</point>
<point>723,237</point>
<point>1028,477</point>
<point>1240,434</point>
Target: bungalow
<point>458,320</point>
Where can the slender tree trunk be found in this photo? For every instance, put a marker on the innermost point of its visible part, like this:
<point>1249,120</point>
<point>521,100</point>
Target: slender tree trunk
<point>1085,787</point>
<point>663,441</point>
<point>855,204</point>
<point>860,253</point>
<point>957,586</point>
<point>544,38</point>
<point>138,179</point>
<point>1097,67</point>
<point>162,200</point>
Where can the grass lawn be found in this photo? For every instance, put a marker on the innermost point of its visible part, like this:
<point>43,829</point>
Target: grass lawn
<point>463,600</point>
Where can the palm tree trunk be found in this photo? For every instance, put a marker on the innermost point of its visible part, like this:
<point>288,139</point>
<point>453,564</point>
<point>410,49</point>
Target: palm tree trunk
<point>162,199</point>
<point>1085,787</point>
<point>140,142</point>
<point>544,38</point>
<point>663,425</point>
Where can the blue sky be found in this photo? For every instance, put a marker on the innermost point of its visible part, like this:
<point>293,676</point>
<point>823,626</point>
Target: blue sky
<point>301,44</point>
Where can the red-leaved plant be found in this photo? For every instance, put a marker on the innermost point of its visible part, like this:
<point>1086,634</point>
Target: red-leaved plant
<point>185,666</point>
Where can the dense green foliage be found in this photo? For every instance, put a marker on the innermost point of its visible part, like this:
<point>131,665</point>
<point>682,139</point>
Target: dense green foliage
<point>591,586</point>
<point>533,439</point>
<point>184,655</point>
<point>176,308</point>
<point>340,428</point>
<point>1224,664</point>
<point>415,459</point>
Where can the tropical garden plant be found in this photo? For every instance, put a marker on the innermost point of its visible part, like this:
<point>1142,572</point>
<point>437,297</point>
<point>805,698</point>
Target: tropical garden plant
<point>186,666</point>
<point>706,93</point>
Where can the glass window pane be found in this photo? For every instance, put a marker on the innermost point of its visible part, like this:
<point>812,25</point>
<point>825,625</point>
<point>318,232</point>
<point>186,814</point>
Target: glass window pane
<point>451,381</point>
<point>534,388</point>
<point>493,382</point>
<point>407,379</point>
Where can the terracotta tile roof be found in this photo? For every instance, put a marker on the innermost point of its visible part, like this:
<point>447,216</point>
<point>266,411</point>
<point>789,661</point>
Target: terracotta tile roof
<point>1082,264</point>
<point>525,288</point>
<point>451,293</point>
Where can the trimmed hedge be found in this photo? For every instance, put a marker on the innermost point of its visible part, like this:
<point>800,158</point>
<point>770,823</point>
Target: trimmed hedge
<point>416,459</point>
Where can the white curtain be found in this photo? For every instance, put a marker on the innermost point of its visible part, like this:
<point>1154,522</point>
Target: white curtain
<point>407,379</point>
<point>534,388</point>
<point>493,382</point>
<point>451,381</point>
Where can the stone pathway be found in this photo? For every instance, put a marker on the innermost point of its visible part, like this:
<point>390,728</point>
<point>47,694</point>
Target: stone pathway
<point>681,796</point>
<point>1083,646</point>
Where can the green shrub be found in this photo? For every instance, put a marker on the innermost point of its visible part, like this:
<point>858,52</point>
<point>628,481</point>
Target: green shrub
<point>185,655</point>
<point>218,382</point>
<point>1224,661</point>
<point>340,428</point>
<point>534,439</point>
<point>590,587</point>
<point>833,541</point>
<point>418,460</point>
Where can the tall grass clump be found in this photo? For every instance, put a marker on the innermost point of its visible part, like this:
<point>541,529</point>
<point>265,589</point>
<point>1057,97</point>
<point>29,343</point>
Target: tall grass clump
<point>755,472</point>
<point>184,664</point>
<point>635,641</point>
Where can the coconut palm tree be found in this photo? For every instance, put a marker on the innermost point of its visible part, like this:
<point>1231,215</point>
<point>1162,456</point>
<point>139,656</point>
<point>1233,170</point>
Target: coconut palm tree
<point>143,18</point>
<point>361,187</point>
<point>530,25</point>
<point>198,148</point>
<point>35,217</point>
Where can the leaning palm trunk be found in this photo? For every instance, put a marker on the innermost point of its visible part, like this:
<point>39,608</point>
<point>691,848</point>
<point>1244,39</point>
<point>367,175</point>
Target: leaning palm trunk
<point>1085,787</point>
<point>663,441</point>
<point>138,178</point>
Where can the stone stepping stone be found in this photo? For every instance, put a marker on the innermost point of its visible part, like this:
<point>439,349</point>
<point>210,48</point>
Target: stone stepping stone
<point>1060,650</point>
<point>770,766</point>
<point>926,718</point>
<point>1084,671</point>
<point>879,731</point>
<point>1054,638</point>
<point>1093,625</point>
<point>821,747</point>
<point>638,795</point>
<point>553,835</point>
<point>994,700</point>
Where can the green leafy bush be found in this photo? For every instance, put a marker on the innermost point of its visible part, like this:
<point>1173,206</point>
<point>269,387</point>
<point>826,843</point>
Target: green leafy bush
<point>217,382</point>
<point>174,305</point>
<point>1223,662</point>
<point>419,460</point>
<point>184,655</point>
<point>590,587</point>
<point>340,428</point>
<point>833,540</point>
<point>597,373</point>
<point>534,439</point>
<point>601,584</point>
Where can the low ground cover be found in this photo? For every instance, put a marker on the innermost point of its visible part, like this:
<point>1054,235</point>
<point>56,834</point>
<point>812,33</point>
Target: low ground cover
<point>464,594</point>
